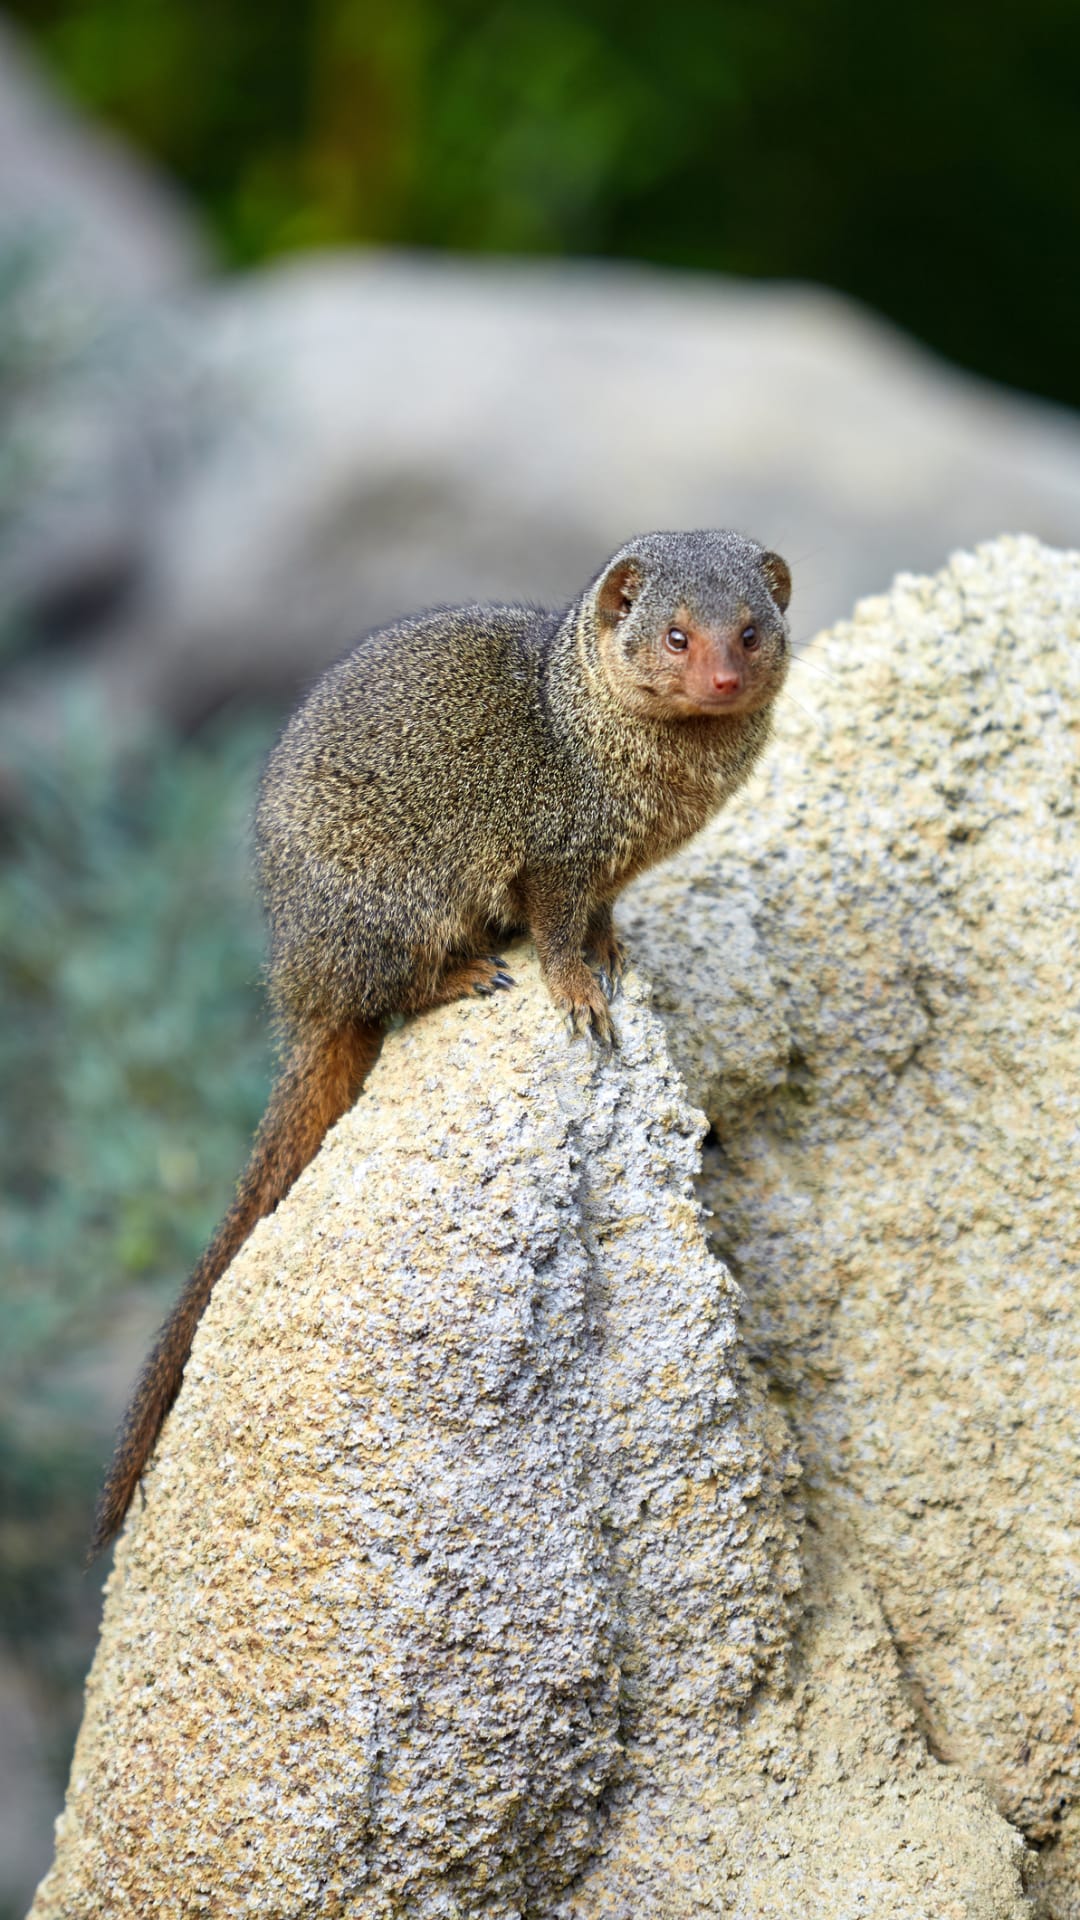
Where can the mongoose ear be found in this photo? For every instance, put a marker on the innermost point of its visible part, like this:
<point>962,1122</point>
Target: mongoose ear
<point>778,576</point>
<point>617,592</point>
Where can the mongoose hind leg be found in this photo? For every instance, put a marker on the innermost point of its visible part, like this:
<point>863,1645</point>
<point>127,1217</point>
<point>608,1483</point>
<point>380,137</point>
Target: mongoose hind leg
<point>483,973</point>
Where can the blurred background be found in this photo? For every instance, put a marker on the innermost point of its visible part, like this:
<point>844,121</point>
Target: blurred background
<point>309,314</point>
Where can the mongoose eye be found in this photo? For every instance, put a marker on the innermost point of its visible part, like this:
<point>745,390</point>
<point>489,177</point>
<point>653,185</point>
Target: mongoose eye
<point>675,640</point>
<point>750,638</point>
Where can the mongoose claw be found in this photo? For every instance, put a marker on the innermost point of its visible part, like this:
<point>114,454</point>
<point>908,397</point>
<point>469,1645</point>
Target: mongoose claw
<point>501,977</point>
<point>591,1022</point>
<point>485,974</point>
<point>577,994</point>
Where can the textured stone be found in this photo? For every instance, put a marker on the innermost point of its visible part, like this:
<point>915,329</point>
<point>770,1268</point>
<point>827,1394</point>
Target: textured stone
<point>1054,1878</point>
<point>468,1566</point>
<point>869,966</point>
<point>463,1421</point>
<point>820,1799</point>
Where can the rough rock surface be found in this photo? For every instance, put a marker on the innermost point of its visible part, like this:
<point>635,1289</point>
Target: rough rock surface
<point>869,967</point>
<point>468,1569</point>
<point>332,441</point>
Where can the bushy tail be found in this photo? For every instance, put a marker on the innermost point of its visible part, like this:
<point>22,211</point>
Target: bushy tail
<point>319,1082</point>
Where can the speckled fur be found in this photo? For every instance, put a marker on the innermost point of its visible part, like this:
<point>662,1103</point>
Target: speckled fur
<point>474,771</point>
<point>456,778</point>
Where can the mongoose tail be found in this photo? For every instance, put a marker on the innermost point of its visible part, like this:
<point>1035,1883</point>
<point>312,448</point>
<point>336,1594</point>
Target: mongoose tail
<point>319,1082</point>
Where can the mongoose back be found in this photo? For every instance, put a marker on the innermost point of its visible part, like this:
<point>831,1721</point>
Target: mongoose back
<point>460,777</point>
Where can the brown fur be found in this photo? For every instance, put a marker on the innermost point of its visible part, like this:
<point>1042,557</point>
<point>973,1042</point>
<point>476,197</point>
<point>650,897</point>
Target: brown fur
<point>460,777</point>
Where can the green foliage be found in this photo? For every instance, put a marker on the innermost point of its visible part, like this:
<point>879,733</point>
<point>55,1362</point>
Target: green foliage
<point>925,162</point>
<point>134,1054</point>
<point>129,960</point>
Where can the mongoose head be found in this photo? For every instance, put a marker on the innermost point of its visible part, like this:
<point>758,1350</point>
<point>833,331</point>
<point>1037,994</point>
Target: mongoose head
<point>691,625</point>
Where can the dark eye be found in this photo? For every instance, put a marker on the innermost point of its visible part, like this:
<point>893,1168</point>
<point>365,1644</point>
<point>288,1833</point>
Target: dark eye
<point>750,638</point>
<point>675,640</point>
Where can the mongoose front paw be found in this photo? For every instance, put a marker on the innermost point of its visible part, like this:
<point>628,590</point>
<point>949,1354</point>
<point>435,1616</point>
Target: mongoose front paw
<point>595,1022</point>
<point>582,999</point>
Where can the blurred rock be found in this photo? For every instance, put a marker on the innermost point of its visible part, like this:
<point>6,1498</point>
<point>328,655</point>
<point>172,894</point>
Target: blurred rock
<point>869,969</point>
<point>112,227</point>
<point>466,1576</point>
<point>94,250</point>
<point>351,436</point>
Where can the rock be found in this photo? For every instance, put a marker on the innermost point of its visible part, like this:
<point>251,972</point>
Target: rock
<point>120,232</point>
<point>826,1800</point>
<point>869,970</point>
<point>467,1579</point>
<point>95,249</point>
<point>352,436</point>
<point>1054,1881</point>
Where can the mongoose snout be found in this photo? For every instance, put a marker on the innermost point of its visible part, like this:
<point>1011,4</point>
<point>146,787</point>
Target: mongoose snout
<point>716,676</point>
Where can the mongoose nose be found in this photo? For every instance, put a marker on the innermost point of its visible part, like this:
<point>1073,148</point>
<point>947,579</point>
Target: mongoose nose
<point>726,682</point>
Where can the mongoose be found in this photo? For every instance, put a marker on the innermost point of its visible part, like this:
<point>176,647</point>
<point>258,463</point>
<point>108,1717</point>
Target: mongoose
<point>460,777</point>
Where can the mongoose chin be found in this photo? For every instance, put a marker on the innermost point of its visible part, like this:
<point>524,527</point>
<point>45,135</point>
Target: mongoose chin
<point>460,777</point>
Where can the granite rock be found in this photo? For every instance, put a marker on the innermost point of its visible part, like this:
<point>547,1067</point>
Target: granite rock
<point>468,1577</point>
<point>868,966</point>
